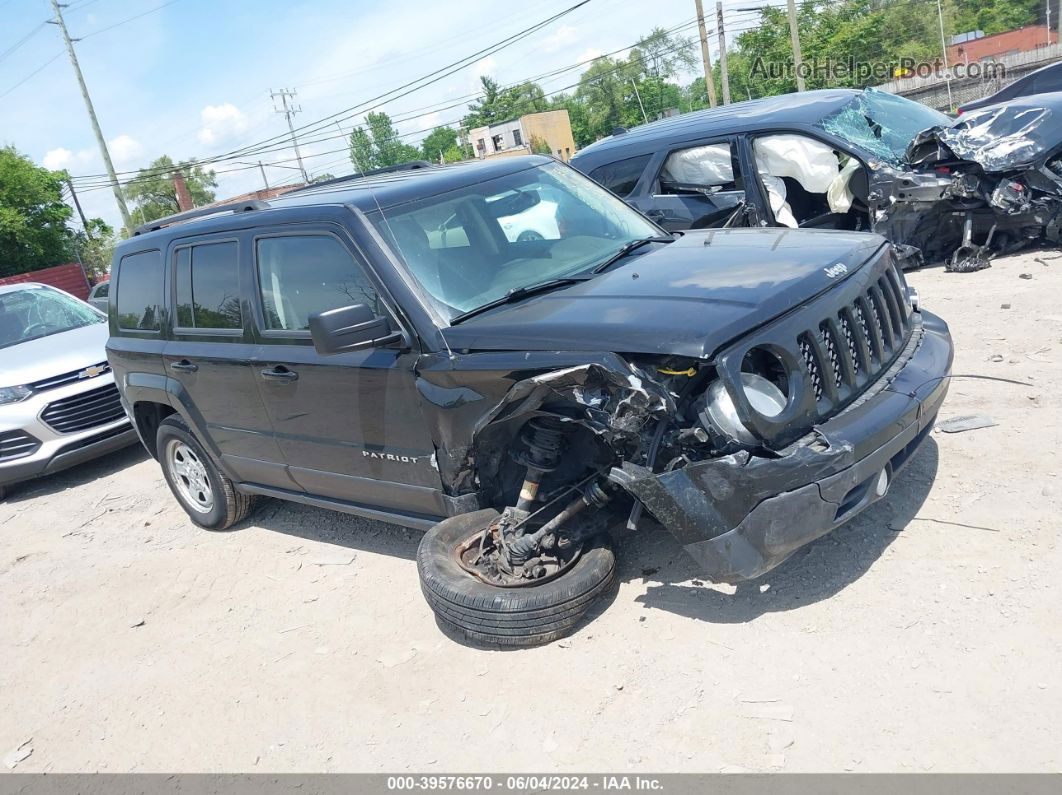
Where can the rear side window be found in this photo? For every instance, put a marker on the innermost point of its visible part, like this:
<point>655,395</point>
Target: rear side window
<point>712,167</point>
<point>101,289</point>
<point>305,274</point>
<point>621,177</point>
<point>207,286</point>
<point>140,291</point>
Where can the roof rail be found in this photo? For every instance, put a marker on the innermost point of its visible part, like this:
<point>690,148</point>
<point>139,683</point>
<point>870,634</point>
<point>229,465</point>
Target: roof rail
<point>411,165</point>
<point>201,212</point>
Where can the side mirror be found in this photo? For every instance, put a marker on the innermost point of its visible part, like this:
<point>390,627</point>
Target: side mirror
<point>349,328</point>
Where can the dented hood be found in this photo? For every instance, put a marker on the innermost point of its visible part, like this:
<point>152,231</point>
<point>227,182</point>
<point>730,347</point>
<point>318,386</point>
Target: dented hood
<point>687,298</point>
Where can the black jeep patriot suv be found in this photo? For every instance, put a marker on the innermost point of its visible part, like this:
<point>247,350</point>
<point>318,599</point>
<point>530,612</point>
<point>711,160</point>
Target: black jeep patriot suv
<point>507,356</point>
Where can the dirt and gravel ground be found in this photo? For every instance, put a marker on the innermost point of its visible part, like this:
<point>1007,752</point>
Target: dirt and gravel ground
<point>922,636</point>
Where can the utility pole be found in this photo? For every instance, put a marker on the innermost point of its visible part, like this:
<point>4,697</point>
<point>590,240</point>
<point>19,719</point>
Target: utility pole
<point>640,105</point>
<point>264,180</point>
<point>944,53</point>
<point>118,196</point>
<point>724,73</point>
<point>289,111</point>
<point>80,212</point>
<point>706,56</point>
<point>794,36</point>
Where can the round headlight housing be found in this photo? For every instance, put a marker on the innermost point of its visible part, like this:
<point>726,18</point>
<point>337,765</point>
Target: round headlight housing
<point>762,394</point>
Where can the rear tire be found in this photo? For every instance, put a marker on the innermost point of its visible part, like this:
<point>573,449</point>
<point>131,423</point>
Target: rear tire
<point>208,497</point>
<point>527,616</point>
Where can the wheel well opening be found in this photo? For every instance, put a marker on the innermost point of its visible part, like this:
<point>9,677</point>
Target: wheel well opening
<point>147,416</point>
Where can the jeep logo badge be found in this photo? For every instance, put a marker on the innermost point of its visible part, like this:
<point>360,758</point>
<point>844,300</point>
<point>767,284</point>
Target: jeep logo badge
<point>93,371</point>
<point>840,269</point>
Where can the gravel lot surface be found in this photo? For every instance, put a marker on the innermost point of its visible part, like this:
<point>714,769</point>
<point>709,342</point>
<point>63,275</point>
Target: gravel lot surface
<point>924,635</point>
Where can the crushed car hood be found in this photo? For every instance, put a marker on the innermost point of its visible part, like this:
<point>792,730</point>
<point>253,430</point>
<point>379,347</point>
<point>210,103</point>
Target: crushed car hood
<point>1005,137</point>
<point>687,298</point>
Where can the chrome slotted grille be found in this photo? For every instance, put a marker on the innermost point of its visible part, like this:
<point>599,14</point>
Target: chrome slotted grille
<point>85,410</point>
<point>857,341</point>
<point>70,378</point>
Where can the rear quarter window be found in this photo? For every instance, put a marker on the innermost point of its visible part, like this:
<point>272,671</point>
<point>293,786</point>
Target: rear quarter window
<point>621,176</point>
<point>139,298</point>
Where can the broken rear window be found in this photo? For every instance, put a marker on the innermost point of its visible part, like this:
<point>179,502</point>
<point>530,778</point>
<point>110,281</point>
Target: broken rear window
<point>882,124</point>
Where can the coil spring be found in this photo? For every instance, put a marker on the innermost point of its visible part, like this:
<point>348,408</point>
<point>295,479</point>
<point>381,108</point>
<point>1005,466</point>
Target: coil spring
<point>544,437</point>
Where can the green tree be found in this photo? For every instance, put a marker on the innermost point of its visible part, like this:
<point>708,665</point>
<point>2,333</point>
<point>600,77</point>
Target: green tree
<point>438,142</point>
<point>94,247</point>
<point>499,104</point>
<point>379,145</point>
<point>33,215</point>
<point>154,195</point>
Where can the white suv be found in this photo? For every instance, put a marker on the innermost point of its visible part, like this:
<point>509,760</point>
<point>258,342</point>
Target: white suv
<point>58,402</point>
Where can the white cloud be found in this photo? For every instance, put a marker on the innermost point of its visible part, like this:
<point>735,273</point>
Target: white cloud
<point>221,122</point>
<point>56,159</point>
<point>486,66</point>
<point>565,34</point>
<point>124,148</point>
<point>589,55</point>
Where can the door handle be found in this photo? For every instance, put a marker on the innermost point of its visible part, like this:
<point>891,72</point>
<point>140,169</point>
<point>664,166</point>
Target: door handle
<point>280,373</point>
<point>184,366</point>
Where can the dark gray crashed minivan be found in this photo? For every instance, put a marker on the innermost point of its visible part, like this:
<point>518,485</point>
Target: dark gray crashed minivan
<point>395,346</point>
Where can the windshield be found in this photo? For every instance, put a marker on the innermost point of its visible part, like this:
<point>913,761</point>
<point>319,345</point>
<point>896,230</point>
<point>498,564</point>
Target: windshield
<point>39,312</point>
<point>474,245</point>
<point>882,124</point>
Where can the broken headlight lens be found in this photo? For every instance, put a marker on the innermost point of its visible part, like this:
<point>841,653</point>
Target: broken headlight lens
<point>720,412</point>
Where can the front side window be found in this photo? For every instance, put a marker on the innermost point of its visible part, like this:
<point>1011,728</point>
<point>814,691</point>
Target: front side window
<point>621,177</point>
<point>517,230</point>
<point>207,286</point>
<point>140,291</point>
<point>102,289</point>
<point>710,168</point>
<point>36,312</point>
<point>301,275</point>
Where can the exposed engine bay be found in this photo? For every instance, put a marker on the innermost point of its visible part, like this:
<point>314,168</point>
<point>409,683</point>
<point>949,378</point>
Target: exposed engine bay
<point>991,183</point>
<point>701,444</point>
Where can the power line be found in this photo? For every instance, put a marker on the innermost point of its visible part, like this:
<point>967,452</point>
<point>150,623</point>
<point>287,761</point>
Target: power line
<point>82,38</point>
<point>404,116</point>
<point>151,175</point>
<point>22,41</point>
<point>405,89</point>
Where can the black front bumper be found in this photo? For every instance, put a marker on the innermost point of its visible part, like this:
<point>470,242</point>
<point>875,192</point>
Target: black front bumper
<point>741,515</point>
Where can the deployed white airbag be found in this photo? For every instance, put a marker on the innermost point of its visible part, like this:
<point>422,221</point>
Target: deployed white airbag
<point>809,162</point>
<point>701,165</point>
<point>783,213</point>
<point>839,196</point>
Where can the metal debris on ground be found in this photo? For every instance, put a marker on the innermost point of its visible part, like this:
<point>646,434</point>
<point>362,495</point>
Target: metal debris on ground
<point>19,754</point>
<point>968,422</point>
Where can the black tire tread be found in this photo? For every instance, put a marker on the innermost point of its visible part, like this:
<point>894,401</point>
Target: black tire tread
<point>486,614</point>
<point>237,505</point>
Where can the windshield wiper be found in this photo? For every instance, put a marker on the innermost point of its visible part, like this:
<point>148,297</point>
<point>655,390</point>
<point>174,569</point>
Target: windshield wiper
<point>518,293</point>
<point>626,249</point>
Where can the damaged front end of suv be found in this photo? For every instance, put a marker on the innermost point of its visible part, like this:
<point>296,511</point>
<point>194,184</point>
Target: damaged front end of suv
<point>989,183</point>
<point>744,454</point>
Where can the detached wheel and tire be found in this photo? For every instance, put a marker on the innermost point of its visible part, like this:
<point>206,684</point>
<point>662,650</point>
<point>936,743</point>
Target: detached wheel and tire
<point>525,616</point>
<point>207,496</point>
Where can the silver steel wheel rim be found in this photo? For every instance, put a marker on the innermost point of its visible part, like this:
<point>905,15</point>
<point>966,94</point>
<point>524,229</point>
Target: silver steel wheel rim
<point>190,477</point>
